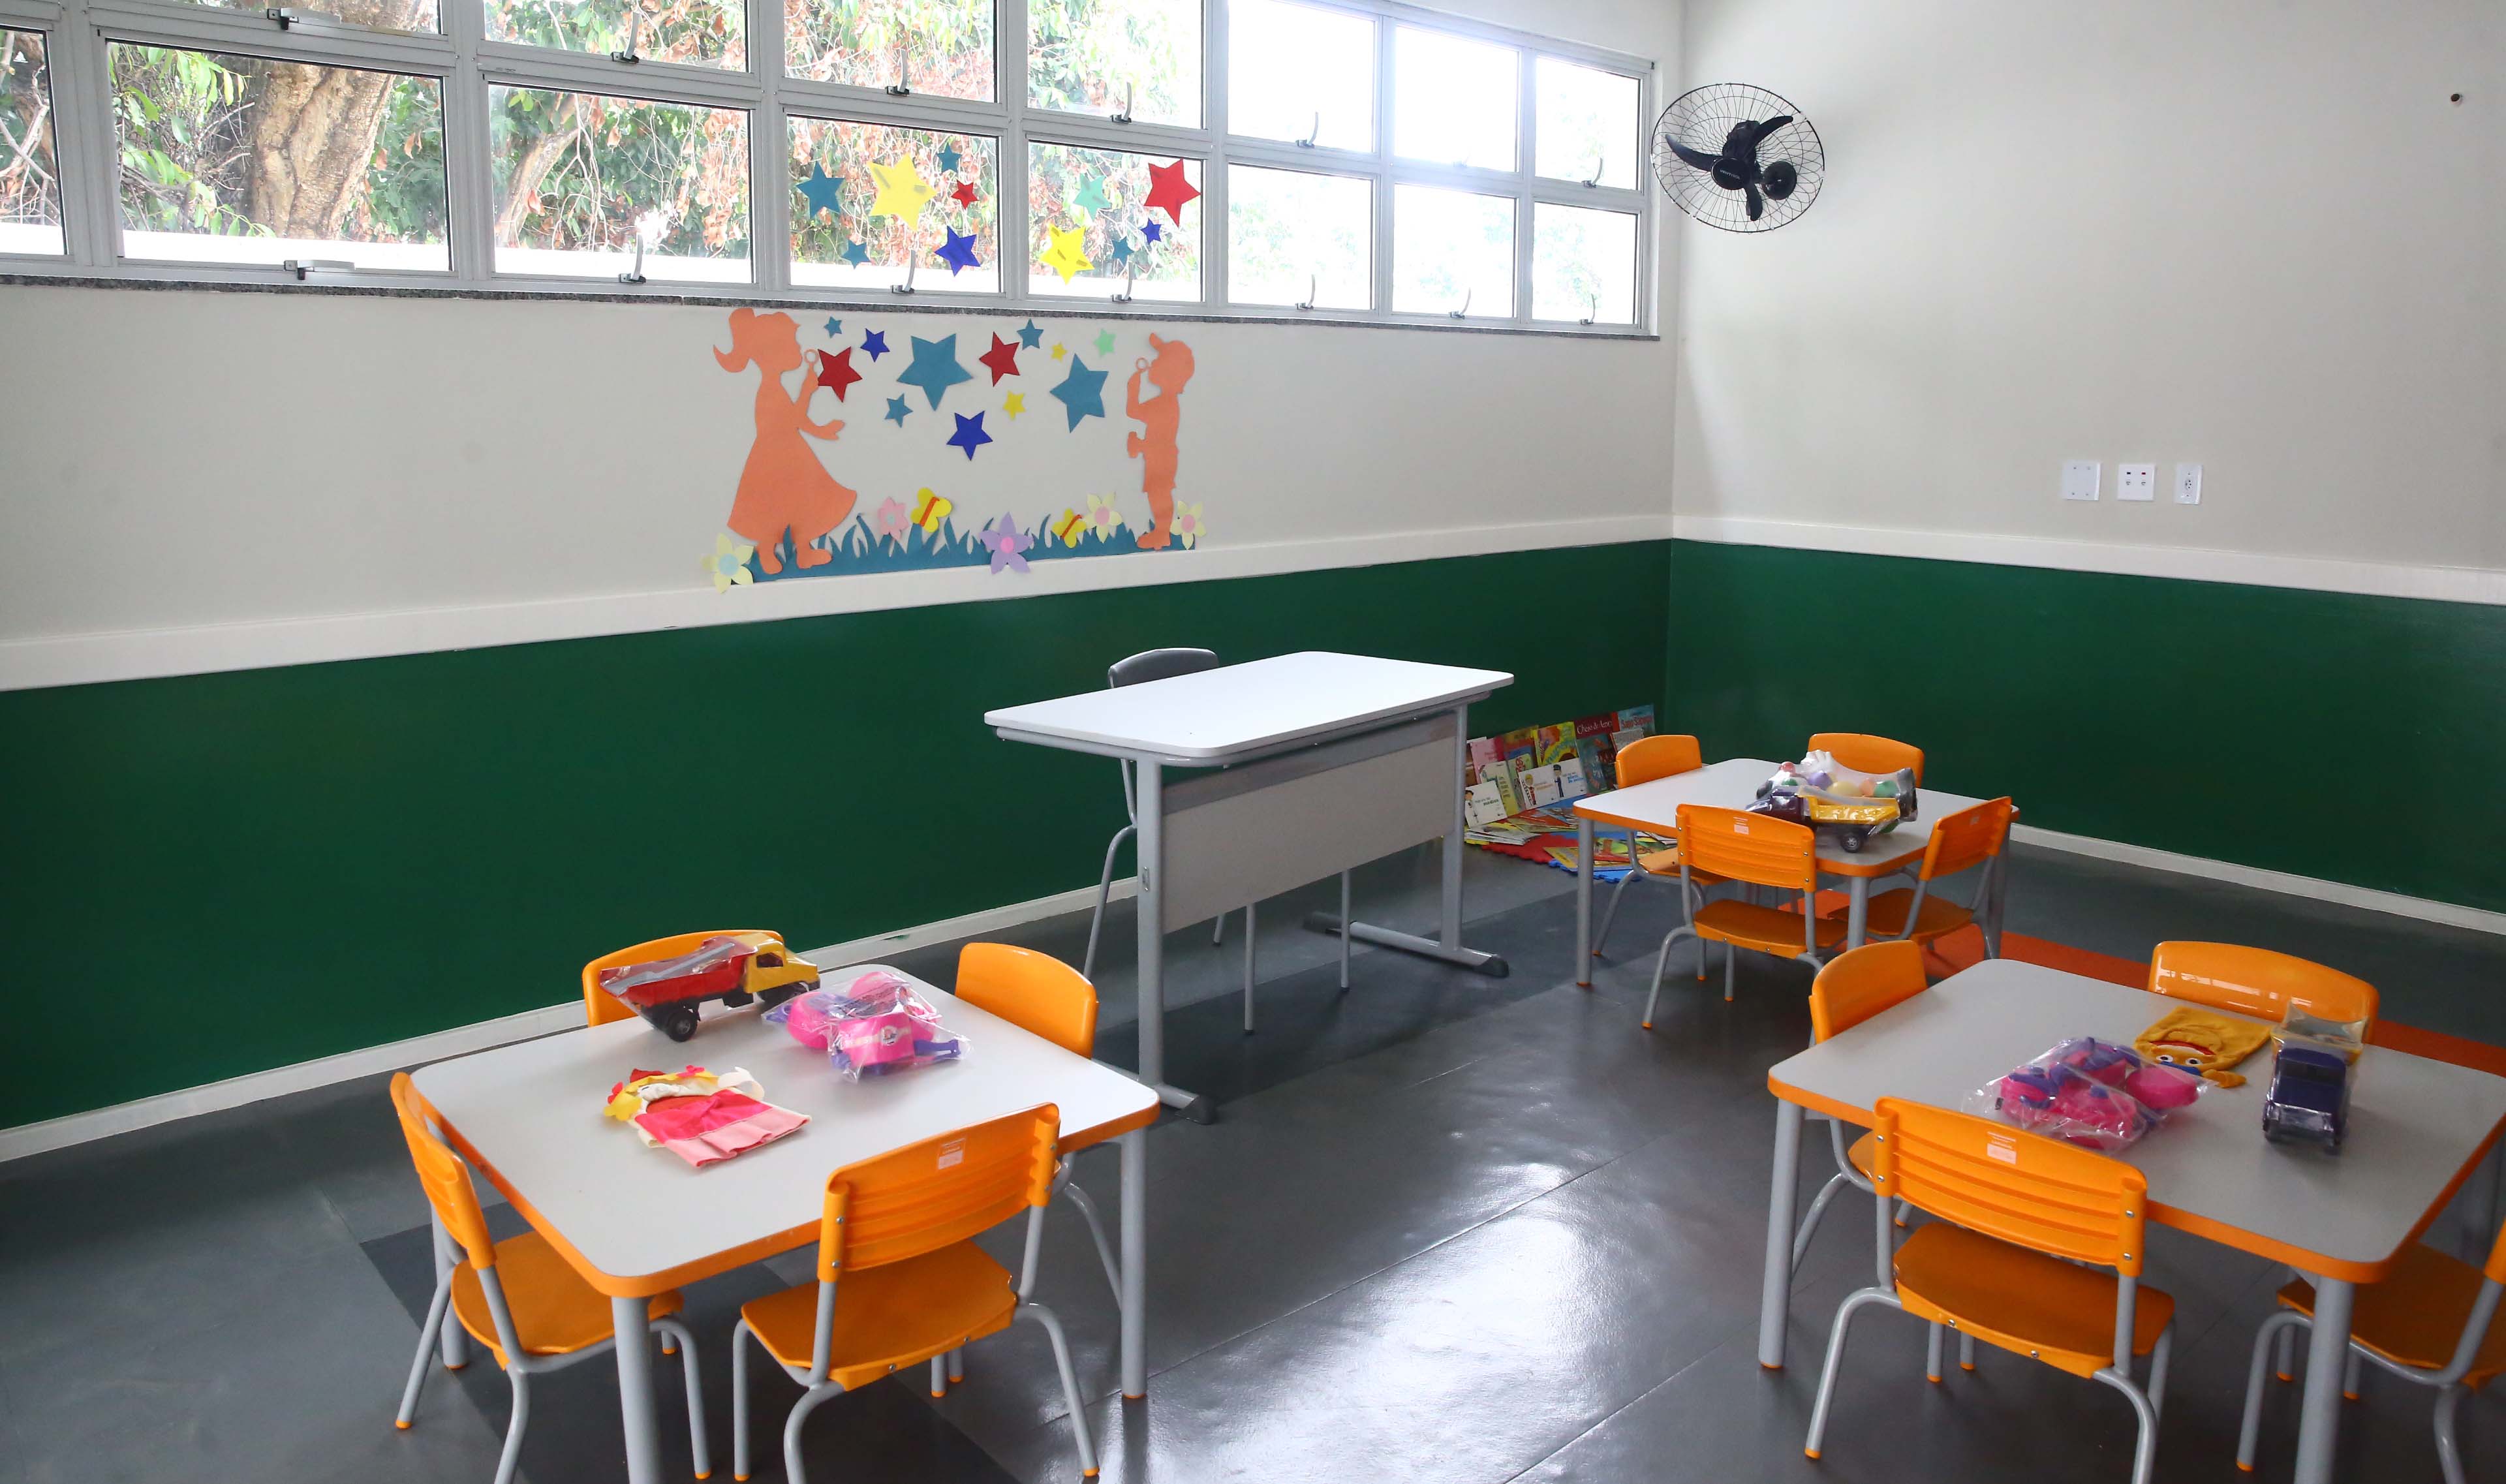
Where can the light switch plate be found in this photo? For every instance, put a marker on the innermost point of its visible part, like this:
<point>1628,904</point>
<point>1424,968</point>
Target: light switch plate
<point>2188,483</point>
<point>2080,479</point>
<point>2136,482</point>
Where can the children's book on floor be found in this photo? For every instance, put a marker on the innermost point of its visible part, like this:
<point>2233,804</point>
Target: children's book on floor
<point>1518,787</point>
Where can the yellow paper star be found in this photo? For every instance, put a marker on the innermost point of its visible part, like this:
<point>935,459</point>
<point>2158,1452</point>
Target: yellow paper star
<point>1067,257</point>
<point>902,191</point>
<point>1060,350</point>
<point>1015,405</point>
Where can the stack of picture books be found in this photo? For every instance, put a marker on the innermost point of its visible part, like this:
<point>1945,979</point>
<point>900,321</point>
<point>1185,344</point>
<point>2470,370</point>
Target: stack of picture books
<point>1516,788</point>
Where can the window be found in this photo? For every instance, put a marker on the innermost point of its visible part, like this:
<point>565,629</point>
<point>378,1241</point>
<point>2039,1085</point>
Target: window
<point>30,177</point>
<point>1335,160</point>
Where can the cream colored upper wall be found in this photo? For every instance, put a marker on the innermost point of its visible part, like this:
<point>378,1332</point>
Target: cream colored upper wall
<point>2257,236</point>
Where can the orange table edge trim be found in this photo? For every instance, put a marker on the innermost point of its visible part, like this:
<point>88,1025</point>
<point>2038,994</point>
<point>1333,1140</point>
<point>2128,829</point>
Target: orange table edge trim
<point>1868,866</point>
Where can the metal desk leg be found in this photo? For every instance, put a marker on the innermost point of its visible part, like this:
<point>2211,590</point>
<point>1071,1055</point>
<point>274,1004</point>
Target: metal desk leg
<point>1149,845</point>
<point>2327,1352</point>
<point>1999,887</point>
<point>1776,1297</point>
<point>1584,901</point>
<point>1135,1263</point>
<point>1447,946</point>
<point>635,1355</point>
<point>1858,917</point>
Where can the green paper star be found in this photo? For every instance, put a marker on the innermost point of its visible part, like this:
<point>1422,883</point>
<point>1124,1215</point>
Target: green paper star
<point>1105,342</point>
<point>1092,194</point>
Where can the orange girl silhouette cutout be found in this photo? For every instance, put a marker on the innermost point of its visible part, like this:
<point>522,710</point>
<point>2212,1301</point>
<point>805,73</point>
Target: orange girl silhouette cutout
<point>1155,444</point>
<point>782,486</point>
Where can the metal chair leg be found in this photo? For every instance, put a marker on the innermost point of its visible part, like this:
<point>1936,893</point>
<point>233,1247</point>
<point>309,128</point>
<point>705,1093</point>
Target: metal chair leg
<point>957,1364</point>
<point>1610,913</point>
<point>672,1330</point>
<point>2144,1451</point>
<point>1810,1224</point>
<point>2350,1374</point>
<point>1344,932</point>
<point>1032,1310</point>
<point>2448,1453</point>
<point>739,1402</point>
<point>1853,1304</point>
<point>1933,1343</point>
<point>939,1376</point>
<point>1249,936</point>
<point>1966,1351</point>
<point>1217,929</point>
<point>426,1337</point>
<point>2277,1326</point>
<point>793,1472</point>
<point>2286,1361</point>
<point>1731,960</point>
<point>1104,895</point>
<point>1659,961</point>
<point>1097,1232</point>
<point>512,1457</point>
<point>2158,1373</point>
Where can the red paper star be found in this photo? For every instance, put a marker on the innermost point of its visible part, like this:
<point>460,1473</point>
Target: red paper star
<point>1168,191</point>
<point>836,372</point>
<point>964,191</point>
<point>1002,358</point>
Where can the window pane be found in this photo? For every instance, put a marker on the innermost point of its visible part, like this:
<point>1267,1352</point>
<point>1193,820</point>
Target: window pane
<point>1587,120</point>
<point>700,33</point>
<point>227,159</point>
<point>381,15</point>
<point>1090,55</point>
<point>1096,215</point>
<point>1291,234</point>
<point>1453,99</point>
<point>942,46</point>
<point>30,182</point>
<point>1294,71</point>
<point>1450,247</point>
<point>843,173</point>
<point>1583,263</point>
<point>583,178</point>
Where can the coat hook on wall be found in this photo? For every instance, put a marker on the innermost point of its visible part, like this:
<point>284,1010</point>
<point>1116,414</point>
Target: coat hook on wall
<point>1466,305</point>
<point>1312,134</point>
<point>1307,301</point>
<point>1125,117</point>
<point>901,88</point>
<point>634,42</point>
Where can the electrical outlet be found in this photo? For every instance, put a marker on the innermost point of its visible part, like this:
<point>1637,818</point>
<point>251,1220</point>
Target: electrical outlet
<point>2136,482</point>
<point>2188,483</point>
<point>2080,478</point>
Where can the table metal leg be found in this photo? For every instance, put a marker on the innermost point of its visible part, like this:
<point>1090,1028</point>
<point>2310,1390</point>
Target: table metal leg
<point>1858,917</point>
<point>1584,901</point>
<point>1135,1263</point>
<point>1997,883</point>
<point>634,1354</point>
<point>1447,946</point>
<point>2327,1349</point>
<point>455,1342</point>
<point>1776,1297</point>
<point>1149,846</point>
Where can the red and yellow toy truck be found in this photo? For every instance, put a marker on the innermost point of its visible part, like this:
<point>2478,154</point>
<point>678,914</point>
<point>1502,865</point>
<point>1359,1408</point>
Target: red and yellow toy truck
<point>737,968</point>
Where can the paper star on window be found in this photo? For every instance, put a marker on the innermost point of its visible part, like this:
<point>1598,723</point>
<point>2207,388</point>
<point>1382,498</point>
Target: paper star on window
<point>1002,358</point>
<point>902,191</point>
<point>855,254</point>
<point>1152,232</point>
<point>1068,255</point>
<point>1092,194</point>
<point>1121,250</point>
<point>948,158</point>
<point>1170,192</point>
<point>823,191</point>
<point>965,193</point>
<point>958,252</point>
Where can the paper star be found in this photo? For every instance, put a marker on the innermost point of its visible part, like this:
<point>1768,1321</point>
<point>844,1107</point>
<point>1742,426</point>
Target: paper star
<point>874,343</point>
<point>836,372</point>
<point>896,410</point>
<point>1123,250</point>
<point>855,254</point>
<point>1152,232</point>
<point>1170,192</point>
<point>834,327</point>
<point>1092,194</point>
<point>1068,255</point>
<point>1060,350</point>
<point>901,192</point>
<point>1030,337</point>
<point>1082,393</point>
<point>970,434</point>
<point>965,193</point>
<point>935,367</point>
<point>957,252</point>
<point>1005,541</point>
<point>1105,342</point>
<point>1015,405</point>
<point>1002,358</point>
<point>948,158</point>
<point>823,191</point>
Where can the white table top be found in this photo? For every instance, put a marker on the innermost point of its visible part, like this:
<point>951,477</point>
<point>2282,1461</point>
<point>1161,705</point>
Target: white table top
<point>2416,1125</point>
<point>1239,711</point>
<point>1733,784</point>
<point>530,1114</point>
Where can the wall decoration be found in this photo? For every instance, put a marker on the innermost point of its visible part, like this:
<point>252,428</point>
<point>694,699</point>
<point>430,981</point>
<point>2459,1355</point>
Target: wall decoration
<point>1060,350</point>
<point>1161,417</point>
<point>958,252</point>
<point>783,489</point>
<point>836,373</point>
<point>895,518</point>
<point>1153,231</point>
<point>1030,335</point>
<point>970,434</point>
<point>1104,519</point>
<point>1006,541</point>
<point>1189,526</point>
<point>855,253</point>
<point>1170,192</point>
<point>935,367</point>
<point>1082,393</point>
<point>902,191</point>
<point>729,562</point>
<point>1090,197</point>
<point>823,191</point>
<point>949,159</point>
<point>1015,405</point>
<point>1070,528</point>
<point>1001,360</point>
<point>897,411</point>
<point>873,344</point>
<point>1105,342</point>
<point>929,511</point>
<point>834,328</point>
<point>1067,257</point>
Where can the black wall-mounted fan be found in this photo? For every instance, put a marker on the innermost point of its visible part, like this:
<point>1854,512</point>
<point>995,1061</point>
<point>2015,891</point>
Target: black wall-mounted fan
<point>1737,157</point>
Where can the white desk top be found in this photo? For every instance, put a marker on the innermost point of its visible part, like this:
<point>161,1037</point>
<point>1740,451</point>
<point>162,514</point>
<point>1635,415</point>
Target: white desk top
<point>1239,711</point>
<point>642,1219</point>
<point>2416,1125</point>
<point>1733,784</point>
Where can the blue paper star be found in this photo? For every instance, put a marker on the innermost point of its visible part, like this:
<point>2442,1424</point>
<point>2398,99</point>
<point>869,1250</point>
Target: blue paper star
<point>948,158</point>
<point>855,254</point>
<point>1121,250</point>
<point>824,192</point>
<point>970,434</point>
<point>1082,393</point>
<point>1030,337</point>
<point>874,343</point>
<point>834,327</point>
<point>935,367</point>
<point>1153,230</point>
<point>896,410</point>
<point>958,251</point>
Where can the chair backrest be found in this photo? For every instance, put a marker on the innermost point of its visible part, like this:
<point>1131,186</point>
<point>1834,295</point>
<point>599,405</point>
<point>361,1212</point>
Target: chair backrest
<point>1758,849</point>
<point>1648,758</point>
<point>600,1007</point>
<point>1970,837</point>
<point>442,1175</point>
<point>1862,982</point>
<point>1158,665</point>
<point>2257,982</point>
<point>939,1192</point>
<point>2021,1187</point>
<point>1865,753</point>
<point>1031,990</point>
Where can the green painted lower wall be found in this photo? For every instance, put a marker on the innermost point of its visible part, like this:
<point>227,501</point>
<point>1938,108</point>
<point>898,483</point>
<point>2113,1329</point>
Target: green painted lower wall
<point>2332,736</point>
<point>222,874</point>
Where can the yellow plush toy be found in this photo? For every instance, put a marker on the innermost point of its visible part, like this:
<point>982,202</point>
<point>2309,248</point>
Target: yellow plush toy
<point>2203,1041</point>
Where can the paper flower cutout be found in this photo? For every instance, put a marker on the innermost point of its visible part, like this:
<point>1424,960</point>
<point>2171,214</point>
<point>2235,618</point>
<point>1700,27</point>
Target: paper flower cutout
<point>1069,527</point>
<point>1068,254</point>
<point>935,367</point>
<point>1082,393</point>
<point>896,410</point>
<point>729,563</point>
<point>1170,192</point>
<point>929,510</point>
<point>1189,526</point>
<point>1092,194</point>
<point>1102,518</point>
<point>1030,335</point>
<point>823,191</point>
<point>902,191</point>
<point>1001,360</point>
<point>893,520</point>
<point>964,191</point>
<point>970,434</point>
<point>836,372</point>
<point>1005,541</point>
<point>958,252</point>
<point>1015,405</point>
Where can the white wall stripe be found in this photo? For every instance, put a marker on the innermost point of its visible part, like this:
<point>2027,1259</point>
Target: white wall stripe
<point>2286,884</point>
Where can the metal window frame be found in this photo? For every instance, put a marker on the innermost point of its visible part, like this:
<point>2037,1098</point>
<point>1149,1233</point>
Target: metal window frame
<point>466,66</point>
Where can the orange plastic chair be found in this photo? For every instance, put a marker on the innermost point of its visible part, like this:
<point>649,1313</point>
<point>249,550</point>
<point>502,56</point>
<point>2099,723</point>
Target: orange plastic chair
<point>1964,841</point>
<point>2257,982</point>
<point>899,1278</point>
<point>1859,984</point>
<point>1641,762</point>
<point>1038,993</point>
<point>1863,753</point>
<point>600,1007</point>
<point>2021,1214</point>
<point>549,1319</point>
<point>1761,852</point>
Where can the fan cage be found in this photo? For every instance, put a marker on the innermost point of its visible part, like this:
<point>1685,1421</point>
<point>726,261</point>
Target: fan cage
<point>1701,118</point>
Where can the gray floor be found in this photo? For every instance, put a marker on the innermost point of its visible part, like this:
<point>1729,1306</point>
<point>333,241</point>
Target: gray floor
<point>1447,1228</point>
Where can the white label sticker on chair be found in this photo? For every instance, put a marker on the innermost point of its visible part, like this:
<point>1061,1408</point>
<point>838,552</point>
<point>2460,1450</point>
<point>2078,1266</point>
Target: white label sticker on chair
<point>953,1152</point>
<point>1739,827</point>
<point>2003,1149</point>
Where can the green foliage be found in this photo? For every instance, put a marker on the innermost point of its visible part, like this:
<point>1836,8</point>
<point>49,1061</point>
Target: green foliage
<point>30,186</point>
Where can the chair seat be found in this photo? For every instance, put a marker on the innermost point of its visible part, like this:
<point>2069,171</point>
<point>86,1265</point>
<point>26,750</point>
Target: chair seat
<point>1939,917</point>
<point>1858,1153</point>
<point>556,1312</point>
<point>888,1318</point>
<point>2415,1317</point>
<point>2021,1300</point>
<point>1766,929</point>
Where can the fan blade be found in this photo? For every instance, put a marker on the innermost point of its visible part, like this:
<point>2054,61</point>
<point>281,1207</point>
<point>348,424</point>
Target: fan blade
<point>1757,204</point>
<point>1748,136</point>
<point>1779,179</point>
<point>1695,159</point>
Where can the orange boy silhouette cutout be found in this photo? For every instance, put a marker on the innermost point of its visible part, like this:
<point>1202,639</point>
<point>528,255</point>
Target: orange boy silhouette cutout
<point>782,486</point>
<point>1155,444</point>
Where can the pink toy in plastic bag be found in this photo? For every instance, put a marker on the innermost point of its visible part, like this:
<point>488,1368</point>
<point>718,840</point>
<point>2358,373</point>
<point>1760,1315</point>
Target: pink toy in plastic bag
<point>2090,1093</point>
<point>876,1026</point>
